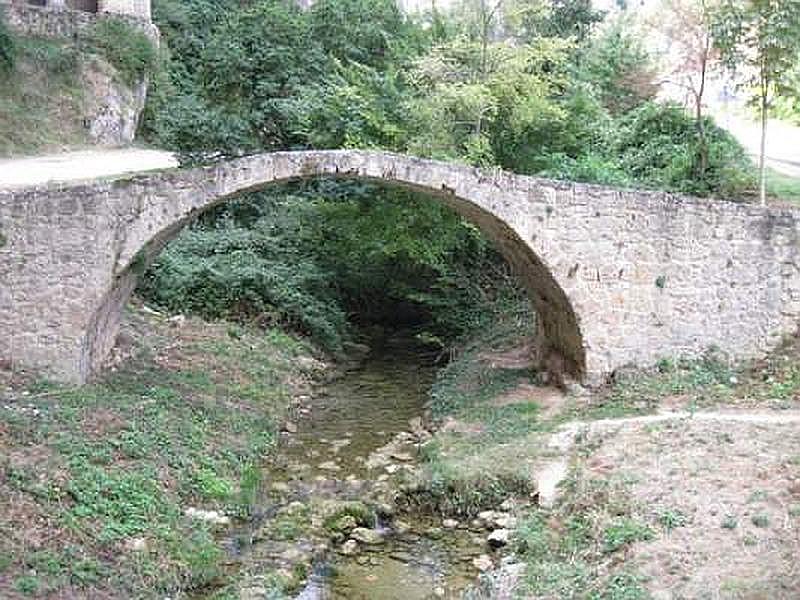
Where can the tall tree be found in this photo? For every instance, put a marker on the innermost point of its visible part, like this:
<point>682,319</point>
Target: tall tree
<point>692,55</point>
<point>763,36</point>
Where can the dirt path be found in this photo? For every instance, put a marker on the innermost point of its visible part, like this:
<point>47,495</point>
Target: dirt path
<point>85,164</point>
<point>565,438</point>
<point>724,487</point>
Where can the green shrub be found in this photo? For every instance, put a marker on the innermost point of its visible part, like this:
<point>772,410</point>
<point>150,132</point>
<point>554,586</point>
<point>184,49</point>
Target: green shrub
<point>127,48</point>
<point>661,146</point>
<point>57,59</point>
<point>257,267</point>
<point>7,46</point>
<point>624,531</point>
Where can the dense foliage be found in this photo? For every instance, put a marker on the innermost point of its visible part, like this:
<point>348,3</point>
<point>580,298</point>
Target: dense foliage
<point>127,48</point>
<point>7,47</point>
<point>534,87</point>
<point>314,256</point>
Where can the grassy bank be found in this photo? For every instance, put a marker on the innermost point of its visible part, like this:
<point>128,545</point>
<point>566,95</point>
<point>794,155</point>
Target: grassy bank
<point>41,99</point>
<point>636,515</point>
<point>96,480</point>
<point>783,188</point>
<point>47,84</point>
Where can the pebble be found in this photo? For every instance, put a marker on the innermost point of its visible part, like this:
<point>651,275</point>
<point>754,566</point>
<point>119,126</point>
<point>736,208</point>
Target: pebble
<point>370,537</point>
<point>329,465</point>
<point>349,548</point>
<point>137,544</point>
<point>506,522</point>
<point>482,562</point>
<point>449,523</point>
<point>210,516</point>
<point>498,538</point>
<point>290,427</point>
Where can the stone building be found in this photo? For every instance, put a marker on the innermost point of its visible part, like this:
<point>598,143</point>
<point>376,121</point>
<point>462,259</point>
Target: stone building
<point>139,9</point>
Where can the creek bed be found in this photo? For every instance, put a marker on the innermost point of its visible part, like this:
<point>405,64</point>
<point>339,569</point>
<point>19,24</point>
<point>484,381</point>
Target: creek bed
<point>346,445</point>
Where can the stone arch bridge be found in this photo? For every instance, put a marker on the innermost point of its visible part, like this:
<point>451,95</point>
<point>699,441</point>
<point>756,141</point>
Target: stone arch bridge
<point>617,277</point>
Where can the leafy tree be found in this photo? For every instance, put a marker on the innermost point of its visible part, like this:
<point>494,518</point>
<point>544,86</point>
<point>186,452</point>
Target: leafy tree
<point>691,56</point>
<point>570,18</point>
<point>763,36</point>
<point>373,33</point>
<point>473,100</point>
<point>236,86</point>
<point>620,67</point>
<point>356,106</point>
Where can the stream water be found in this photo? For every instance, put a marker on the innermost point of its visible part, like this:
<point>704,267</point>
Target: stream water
<point>348,443</point>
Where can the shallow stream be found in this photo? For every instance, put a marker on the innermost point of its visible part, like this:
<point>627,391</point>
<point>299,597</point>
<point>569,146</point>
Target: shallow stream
<point>348,443</point>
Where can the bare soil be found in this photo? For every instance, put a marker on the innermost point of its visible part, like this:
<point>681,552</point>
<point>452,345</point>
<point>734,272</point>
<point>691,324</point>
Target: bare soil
<point>732,488</point>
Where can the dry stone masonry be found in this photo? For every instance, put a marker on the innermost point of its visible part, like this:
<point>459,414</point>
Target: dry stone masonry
<point>617,277</point>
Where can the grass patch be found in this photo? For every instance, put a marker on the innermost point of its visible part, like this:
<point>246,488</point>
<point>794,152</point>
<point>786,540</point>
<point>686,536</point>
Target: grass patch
<point>672,519</point>
<point>563,548</point>
<point>760,520</point>
<point>623,532</point>
<point>40,98</point>
<point>783,187</point>
<point>112,466</point>
<point>484,451</point>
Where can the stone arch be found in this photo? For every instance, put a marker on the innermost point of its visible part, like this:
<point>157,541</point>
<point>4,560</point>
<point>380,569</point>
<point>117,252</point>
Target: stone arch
<point>182,195</point>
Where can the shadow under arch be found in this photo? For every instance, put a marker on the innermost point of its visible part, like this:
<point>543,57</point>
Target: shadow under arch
<point>162,215</point>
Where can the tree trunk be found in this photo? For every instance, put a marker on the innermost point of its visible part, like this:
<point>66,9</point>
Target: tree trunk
<point>762,167</point>
<point>699,106</point>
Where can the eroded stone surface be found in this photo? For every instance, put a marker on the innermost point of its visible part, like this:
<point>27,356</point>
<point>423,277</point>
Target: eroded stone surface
<point>617,277</point>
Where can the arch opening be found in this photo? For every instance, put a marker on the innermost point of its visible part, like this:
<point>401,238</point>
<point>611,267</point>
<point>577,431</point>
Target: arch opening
<point>559,346</point>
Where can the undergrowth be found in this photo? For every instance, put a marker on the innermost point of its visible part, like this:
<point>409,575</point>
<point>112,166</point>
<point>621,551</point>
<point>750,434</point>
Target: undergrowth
<point>127,48</point>
<point>30,119</point>
<point>112,466</point>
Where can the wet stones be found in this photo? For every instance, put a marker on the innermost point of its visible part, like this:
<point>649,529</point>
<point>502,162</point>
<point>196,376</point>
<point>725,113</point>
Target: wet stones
<point>370,537</point>
<point>349,548</point>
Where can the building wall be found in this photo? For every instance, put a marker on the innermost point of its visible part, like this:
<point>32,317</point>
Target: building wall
<point>136,9</point>
<point>132,8</point>
<point>54,22</point>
